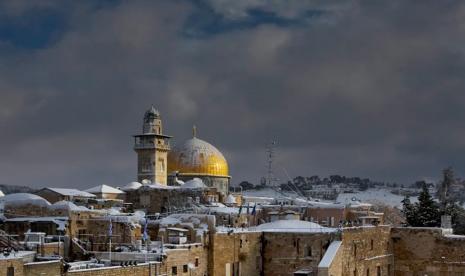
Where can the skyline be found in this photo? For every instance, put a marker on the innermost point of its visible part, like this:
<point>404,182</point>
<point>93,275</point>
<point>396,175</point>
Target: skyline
<point>355,88</point>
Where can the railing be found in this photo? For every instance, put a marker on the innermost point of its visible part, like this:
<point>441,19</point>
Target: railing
<point>151,146</point>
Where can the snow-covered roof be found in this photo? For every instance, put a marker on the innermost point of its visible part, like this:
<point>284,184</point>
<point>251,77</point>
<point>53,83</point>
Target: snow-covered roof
<point>330,254</point>
<point>18,199</point>
<point>220,210</point>
<point>67,205</point>
<point>230,199</point>
<point>131,186</point>
<point>195,183</point>
<point>71,192</point>
<point>104,189</point>
<point>160,186</point>
<point>293,226</point>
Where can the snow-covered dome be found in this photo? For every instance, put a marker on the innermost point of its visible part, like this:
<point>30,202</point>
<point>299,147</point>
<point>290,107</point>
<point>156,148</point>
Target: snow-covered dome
<point>19,199</point>
<point>131,186</point>
<point>1,193</point>
<point>65,205</point>
<point>230,199</point>
<point>292,226</point>
<point>195,183</point>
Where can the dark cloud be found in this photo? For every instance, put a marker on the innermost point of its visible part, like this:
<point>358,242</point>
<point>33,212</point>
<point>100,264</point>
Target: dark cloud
<point>364,88</point>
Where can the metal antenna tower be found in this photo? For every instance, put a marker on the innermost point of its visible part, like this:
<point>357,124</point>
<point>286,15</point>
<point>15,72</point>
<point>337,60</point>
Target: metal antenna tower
<point>270,150</point>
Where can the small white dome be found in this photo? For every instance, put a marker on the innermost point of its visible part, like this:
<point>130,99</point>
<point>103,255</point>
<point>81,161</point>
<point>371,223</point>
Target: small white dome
<point>131,186</point>
<point>65,205</point>
<point>19,199</point>
<point>195,183</point>
<point>230,199</point>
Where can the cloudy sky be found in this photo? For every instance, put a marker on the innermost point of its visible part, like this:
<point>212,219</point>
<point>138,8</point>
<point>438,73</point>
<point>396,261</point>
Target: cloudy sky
<point>360,88</point>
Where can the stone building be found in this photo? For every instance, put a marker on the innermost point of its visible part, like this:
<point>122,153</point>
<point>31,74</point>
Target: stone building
<point>152,147</point>
<point>58,194</point>
<point>156,198</point>
<point>106,192</point>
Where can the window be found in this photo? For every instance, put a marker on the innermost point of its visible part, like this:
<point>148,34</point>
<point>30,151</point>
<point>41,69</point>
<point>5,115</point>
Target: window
<point>355,250</point>
<point>184,268</point>
<point>378,271</point>
<point>10,271</point>
<point>389,269</point>
<point>146,166</point>
<point>196,262</point>
<point>174,270</point>
<point>371,244</point>
<point>368,272</point>
<point>162,164</point>
<point>355,272</point>
<point>309,251</point>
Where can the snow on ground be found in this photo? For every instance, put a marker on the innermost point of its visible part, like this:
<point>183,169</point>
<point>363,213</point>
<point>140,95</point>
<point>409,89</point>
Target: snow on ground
<point>374,196</point>
<point>267,193</point>
<point>377,195</point>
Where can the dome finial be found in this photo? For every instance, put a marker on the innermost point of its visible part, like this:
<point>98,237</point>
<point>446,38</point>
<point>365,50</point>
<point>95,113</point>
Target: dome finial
<point>194,131</point>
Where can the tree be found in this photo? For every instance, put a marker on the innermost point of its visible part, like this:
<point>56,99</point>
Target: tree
<point>427,210</point>
<point>424,213</point>
<point>408,209</point>
<point>246,185</point>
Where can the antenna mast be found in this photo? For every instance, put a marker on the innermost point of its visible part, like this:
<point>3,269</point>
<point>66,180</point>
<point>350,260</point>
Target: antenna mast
<point>270,150</point>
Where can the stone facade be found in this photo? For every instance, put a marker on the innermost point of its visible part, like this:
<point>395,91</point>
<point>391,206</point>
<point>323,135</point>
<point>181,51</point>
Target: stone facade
<point>161,200</point>
<point>284,253</point>
<point>51,268</point>
<point>367,251</point>
<point>427,251</point>
<point>151,269</point>
<point>189,260</point>
<point>235,252</point>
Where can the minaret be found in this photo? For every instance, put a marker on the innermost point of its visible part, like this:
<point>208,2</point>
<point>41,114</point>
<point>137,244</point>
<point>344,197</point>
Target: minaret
<point>152,149</point>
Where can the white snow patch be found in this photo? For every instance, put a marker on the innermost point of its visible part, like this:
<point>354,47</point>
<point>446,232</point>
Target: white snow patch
<point>19,199</point>
<point>71,192</point>
<point>293,226</point>
<point>330,254</point>
<point>104,189</point>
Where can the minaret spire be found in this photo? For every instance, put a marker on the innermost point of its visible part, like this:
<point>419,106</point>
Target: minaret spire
<point>194,131</point>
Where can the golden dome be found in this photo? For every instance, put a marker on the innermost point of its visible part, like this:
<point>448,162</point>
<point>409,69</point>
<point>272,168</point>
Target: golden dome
<point>197,157</point>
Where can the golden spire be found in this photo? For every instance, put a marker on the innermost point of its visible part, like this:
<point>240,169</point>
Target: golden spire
<point>194,131</point>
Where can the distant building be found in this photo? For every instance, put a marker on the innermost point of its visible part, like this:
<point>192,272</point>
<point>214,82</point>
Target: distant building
<point>106,192</point>
<point>58,194</point>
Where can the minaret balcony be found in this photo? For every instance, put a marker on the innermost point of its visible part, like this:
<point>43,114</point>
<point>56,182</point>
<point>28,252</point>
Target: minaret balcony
<point>151,146</point>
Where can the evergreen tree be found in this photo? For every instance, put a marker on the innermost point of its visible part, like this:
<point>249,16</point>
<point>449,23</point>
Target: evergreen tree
<point>427,210</point>
<point>409,211</point>
<point>424,213</point>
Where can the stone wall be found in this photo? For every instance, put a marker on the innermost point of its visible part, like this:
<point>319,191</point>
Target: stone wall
<point>285,253</point>
<point>426,251</point>
<point>235,251</point>
<point>15,264</point>
<point>163,200</point>
<point>151,269</point>
<point>50,268</point>
<point>189,260</point>
<point>367,251</point>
